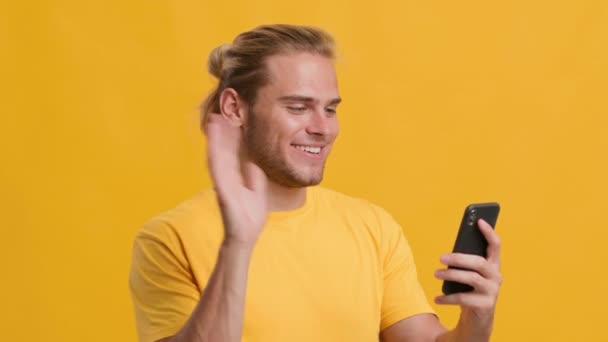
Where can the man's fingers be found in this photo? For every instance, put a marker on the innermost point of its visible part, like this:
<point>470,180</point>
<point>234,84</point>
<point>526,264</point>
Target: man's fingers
<point>456,298</point>
<point>470,262</point>
<point>467,299</point>
<point>213,136</point>
<point>493,250</point>
<point>474,279</point>
<point>229,138</point>
<point>223,142</point>
<point>255,178</point>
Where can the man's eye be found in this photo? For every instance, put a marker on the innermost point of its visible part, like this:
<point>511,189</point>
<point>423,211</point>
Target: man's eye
<point>331,110</point>
<point>297,109</point>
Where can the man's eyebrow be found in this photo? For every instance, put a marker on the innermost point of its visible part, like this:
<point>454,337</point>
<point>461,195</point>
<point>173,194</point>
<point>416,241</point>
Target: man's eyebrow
<point>308,99</point>
<point>335,101</point>
<point>296,98</point>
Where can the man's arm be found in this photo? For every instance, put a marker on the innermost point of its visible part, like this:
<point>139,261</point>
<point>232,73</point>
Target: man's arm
<point>427,328</point>
<point>477,306</point>
<point>418,328</point>
<point>219,313</point>
<point>241,192</point>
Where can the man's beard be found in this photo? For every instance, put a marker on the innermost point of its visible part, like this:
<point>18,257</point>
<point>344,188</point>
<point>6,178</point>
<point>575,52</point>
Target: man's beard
<point>277,170</point>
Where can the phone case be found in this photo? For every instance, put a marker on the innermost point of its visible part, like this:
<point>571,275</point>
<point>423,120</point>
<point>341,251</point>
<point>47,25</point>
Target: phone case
<point>470,240</point>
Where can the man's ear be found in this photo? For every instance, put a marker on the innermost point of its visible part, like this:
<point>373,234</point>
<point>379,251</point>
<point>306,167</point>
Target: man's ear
<point>232,107</point>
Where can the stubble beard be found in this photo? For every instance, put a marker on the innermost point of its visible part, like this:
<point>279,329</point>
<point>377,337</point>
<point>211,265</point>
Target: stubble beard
<point>277,170</point>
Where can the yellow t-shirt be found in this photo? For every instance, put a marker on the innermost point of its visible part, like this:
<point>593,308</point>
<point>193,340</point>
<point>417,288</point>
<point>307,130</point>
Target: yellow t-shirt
<point>336,269</point>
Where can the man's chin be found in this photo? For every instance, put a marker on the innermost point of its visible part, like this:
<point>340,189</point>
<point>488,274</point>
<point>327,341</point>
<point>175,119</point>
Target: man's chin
<point>311,182</point>
<point>301,182</point>
<point>291,177</point>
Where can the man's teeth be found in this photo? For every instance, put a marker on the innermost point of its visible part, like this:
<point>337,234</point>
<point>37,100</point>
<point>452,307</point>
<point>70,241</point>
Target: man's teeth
<point>315,150</point>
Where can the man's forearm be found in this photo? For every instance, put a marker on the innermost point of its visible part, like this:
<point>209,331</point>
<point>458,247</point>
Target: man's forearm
<point>456,335</point>
<point>219,313</point>
<point>464,331</point>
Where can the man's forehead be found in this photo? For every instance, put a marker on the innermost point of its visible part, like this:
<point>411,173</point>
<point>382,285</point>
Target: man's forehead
<point>303,74</point>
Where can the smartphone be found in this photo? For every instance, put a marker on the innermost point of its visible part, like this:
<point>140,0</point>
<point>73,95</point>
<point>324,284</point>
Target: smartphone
<point>470,240</point>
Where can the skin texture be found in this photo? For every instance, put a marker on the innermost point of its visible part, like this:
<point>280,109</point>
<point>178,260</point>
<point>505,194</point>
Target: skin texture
<point>256,167</point>
<point>297,107</point>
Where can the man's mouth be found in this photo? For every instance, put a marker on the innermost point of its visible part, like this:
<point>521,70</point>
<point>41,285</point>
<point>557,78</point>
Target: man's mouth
<point>309,149</point>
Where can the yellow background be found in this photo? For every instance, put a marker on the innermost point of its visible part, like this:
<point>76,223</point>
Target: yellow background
<point>446,103</point>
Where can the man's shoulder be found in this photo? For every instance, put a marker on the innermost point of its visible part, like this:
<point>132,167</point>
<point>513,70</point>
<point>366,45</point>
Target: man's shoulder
<point>197,211</point>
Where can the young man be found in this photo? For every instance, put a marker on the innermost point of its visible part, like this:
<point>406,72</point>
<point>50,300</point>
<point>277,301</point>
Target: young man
<point>269,256</point>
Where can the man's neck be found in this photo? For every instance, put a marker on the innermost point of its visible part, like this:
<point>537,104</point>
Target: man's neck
<point>281,198</point>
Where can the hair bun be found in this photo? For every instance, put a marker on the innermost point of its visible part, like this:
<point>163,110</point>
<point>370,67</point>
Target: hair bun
<point>216,60</point>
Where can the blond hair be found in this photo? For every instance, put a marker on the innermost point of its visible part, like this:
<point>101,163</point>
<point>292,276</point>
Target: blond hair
<point>241,65</point>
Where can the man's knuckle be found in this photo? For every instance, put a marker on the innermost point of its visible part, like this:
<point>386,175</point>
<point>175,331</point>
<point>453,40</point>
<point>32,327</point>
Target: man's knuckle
<point>479,262</point>
<point>477,280</point>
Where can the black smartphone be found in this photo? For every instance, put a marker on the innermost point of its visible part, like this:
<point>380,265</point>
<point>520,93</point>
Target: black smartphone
<point>470,240</point>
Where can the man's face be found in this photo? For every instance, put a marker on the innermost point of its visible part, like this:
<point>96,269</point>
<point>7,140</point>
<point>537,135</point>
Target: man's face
<point>292,126</point>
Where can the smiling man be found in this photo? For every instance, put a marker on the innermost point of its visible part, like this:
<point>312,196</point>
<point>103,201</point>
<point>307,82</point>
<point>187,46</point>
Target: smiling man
<point>266,255</point>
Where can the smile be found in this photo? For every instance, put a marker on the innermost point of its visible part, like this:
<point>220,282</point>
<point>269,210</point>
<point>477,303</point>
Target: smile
<point>309,149</point>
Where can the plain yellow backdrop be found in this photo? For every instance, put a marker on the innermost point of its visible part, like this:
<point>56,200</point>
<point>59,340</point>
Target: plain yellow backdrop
<point>445,103</point>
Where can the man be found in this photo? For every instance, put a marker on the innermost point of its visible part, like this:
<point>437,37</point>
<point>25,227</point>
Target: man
<point>269,256</point>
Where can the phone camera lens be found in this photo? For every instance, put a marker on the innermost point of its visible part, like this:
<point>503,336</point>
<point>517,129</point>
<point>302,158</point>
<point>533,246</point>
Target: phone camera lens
<point>472,217</point>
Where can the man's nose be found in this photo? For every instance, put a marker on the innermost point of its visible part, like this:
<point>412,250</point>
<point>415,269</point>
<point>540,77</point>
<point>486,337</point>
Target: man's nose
<point>319,124</point>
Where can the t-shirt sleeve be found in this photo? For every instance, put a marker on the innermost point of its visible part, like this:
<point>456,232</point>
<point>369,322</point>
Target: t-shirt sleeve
<point>403,295</point>
<point>162,287</point>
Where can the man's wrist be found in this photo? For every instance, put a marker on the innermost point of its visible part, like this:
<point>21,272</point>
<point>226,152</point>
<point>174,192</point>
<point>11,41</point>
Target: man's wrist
<point>473,328</point>
<point>236,246</point>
